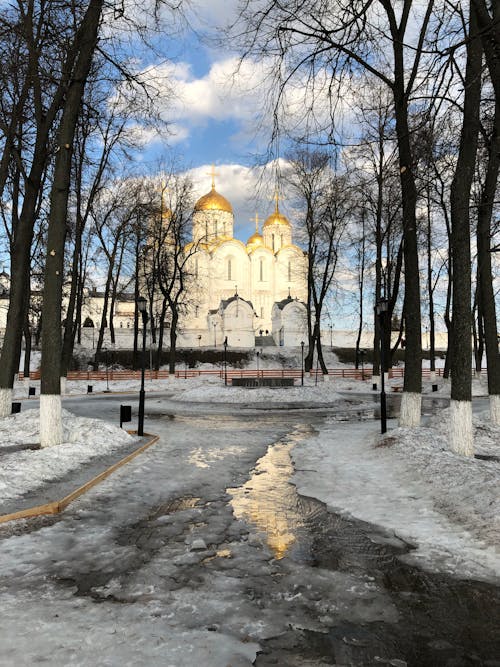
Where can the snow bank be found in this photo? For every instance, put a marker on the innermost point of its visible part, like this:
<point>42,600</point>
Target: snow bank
<point>23,469</point>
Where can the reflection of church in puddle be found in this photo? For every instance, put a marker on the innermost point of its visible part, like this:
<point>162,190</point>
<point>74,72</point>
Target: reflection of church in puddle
<point>244,290</point>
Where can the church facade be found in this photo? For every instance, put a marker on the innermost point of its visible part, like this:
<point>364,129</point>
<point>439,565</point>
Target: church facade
<point>249,293</point>
<point>243,290</point>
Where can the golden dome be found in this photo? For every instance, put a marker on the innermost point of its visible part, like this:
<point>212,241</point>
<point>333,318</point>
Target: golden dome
<point>277,218</point>
<point>213,201</point>
<point>255,239</point>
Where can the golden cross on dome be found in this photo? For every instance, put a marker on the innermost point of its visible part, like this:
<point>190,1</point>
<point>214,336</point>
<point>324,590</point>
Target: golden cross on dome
<point>213,174</point>
<point>277,198</point>
<point>256,220</point>
<point>164,188</point>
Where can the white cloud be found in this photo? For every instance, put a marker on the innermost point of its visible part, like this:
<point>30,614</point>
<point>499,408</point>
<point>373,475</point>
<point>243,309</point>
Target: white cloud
<point>219,95</point>
<point>243,93</point>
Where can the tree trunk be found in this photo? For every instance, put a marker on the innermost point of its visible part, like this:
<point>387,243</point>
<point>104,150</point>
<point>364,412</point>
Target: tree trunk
<point>19,285</point>
<point>69,327</point>
<point>486,291</point>
<point>461,437</point>
<point>412,390</point>
<point>27,348</point>
<point>430,290</point>
<point>50,389</point>
<point>173,342</point>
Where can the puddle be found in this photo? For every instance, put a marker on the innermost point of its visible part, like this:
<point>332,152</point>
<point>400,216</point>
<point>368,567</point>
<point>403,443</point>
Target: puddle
<point>442,621</point>
<point>203,458</point>
<point>270,502</point>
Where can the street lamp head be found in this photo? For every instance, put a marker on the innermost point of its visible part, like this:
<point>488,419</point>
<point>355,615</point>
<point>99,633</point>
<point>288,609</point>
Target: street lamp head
<point>141,304</point>
<point>382,306</point>
<point>302,344</point>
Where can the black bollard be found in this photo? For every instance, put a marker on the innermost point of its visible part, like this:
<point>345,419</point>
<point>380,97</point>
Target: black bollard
<point>31,391</point>
<point>16,407</point>
<point>125,414</point>
<point>89,389</point>
<point>374,386</point>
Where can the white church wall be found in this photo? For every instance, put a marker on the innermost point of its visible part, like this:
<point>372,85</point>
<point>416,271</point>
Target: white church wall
<point>291,273</point>
<point>229,271</point>
<point>238,324</point>
<point>289,324</point>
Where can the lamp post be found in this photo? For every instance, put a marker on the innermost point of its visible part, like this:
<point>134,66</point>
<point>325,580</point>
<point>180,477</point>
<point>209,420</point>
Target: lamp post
<point>141,307</point>
<point>382,309</point>
<point>258,355</point>
<point>215,335</point>
<point>105,350</point>
<point>302,364</point>
<point>331,337</point>
<point>225,361</point>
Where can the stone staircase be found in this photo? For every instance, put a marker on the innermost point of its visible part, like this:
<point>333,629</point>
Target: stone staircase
<point>264,341</point>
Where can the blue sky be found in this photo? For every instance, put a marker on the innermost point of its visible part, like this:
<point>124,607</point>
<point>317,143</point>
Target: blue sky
<point>212,116</point>
<point>213,121</point>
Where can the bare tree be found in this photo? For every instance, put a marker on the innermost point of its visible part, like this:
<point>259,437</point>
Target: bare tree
<point>485,273</point>
<point>461,436</point>
<point>324,200</point>
<point>343,39</point>
<point>48,41</point>
<point>167,261</point>
<point>113,217</point>
<point>99,139</point>
<point>85,42</point>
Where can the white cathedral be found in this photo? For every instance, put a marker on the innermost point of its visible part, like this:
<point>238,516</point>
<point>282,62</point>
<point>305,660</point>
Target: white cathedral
<point>247,293</point>
<point>243,291</point>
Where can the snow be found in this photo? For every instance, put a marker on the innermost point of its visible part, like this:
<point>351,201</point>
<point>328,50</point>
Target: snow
<point>411,485</point>
<point>24,469</point>
<point>407,483</point>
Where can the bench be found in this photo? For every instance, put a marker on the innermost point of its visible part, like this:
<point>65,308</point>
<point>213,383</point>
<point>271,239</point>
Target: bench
<point>262,382</point>
<point>397,388</point>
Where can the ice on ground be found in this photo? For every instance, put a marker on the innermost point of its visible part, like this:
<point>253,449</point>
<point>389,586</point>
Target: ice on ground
<point>23,469</point>
<point>411,484</point>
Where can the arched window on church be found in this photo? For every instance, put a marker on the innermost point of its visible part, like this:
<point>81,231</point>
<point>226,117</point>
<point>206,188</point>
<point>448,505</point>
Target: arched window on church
<point>261,270</point>
<point>196,311</point>
<point>273,241</point>
<point>216,228</point>
<point>289,270</point>
<point>206,230</point>
<point>229,269</point>
<point>196,267</point>
<point>281,241</point>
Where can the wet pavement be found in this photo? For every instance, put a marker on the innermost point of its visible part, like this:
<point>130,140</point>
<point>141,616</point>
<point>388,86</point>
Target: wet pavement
<point>314,588</point>
<point>441,620</point>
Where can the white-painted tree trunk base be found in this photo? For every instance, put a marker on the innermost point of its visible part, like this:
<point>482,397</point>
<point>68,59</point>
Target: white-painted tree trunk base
<point>461,438</point>
<point>63,384</point>
<point>477,374</point>
<point>411,408</point>
<point>51,432</point>
<point>326,378</point>
<point>376,380</point>
<point>5,402</point>
<point>432,376</point>
<point>495,408</point>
